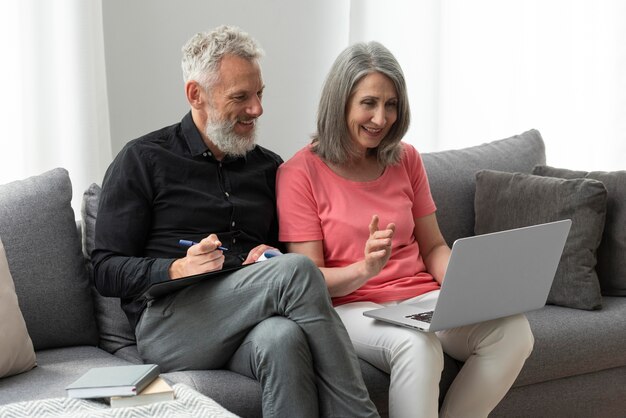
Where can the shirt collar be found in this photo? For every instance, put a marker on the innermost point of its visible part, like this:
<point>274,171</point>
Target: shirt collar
<point>195,142</point>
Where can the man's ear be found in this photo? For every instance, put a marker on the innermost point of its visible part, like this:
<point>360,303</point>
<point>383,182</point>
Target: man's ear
<point>194,93</point>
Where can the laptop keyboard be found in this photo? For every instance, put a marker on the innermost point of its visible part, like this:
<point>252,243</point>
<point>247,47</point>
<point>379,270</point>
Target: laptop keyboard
<point>423,317</point>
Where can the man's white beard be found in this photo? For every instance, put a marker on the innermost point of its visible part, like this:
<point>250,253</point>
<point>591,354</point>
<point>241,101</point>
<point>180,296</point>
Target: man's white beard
<point>223,135</point>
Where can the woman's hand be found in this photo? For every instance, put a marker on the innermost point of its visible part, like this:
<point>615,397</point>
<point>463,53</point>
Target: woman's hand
<point>342,281</point>
<point>377,247</point>
<point>201,258</point>
<point>257,252</point>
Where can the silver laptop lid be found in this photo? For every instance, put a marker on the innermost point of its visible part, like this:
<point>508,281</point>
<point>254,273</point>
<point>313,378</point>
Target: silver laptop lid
<point>489,276</point>
<point>499,274</point>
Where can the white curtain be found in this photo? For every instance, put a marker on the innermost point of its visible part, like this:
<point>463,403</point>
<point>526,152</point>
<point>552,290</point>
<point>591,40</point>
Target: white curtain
<point>53,106</point>
<point>487,69</point>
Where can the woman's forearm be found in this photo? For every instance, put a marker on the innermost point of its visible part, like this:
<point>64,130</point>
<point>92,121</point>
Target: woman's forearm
<point>436,261</point>
<point>342,281</point>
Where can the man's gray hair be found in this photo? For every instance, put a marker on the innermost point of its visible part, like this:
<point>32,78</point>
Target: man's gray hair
<point>203,53</point>
<point>332,141</point>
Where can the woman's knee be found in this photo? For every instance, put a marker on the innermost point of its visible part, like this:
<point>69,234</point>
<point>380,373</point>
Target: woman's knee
<point>520,334</point>
<point>511,336</point>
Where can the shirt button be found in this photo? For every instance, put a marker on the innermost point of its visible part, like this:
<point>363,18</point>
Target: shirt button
<point>226,194</point>
<point>234,240</point>
<point>204,154</point>
<point>233,224</point>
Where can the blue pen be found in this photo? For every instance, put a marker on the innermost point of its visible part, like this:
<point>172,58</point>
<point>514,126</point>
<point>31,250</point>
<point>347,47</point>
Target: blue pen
<point>187,243</point>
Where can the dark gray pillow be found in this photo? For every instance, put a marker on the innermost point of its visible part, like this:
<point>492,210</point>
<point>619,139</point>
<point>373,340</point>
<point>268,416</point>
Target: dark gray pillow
<point>452,182</point>
<point>611,266</point>
<point>43,250</point>
<point>115,330</point>
<point>512,200</point>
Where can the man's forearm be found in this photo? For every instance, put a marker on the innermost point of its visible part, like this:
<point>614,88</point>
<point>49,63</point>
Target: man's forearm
<point>127,277</point>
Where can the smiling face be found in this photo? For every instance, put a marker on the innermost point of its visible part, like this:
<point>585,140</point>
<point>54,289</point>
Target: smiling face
<point>232,105</point>
<point>237,93</point>
<point>371,111</point>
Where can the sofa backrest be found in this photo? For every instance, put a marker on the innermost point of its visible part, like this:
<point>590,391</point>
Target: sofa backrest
<point>43,249</point>
<point>451,175</point>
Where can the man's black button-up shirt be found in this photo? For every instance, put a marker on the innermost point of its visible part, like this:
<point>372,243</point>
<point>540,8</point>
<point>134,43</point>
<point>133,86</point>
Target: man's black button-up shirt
<point>167,186</point>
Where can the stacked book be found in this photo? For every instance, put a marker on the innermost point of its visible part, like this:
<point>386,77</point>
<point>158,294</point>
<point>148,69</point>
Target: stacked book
<point>122,386</point>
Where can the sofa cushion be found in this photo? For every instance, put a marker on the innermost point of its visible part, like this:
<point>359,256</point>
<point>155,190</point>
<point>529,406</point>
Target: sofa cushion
<point>452,181</point>
<point>56,369</point>
<point>38,228</point>
<point>513,200</point>
<point>571,342</point>
<point>16,348</point>
<point>115,330</point>
<point>611,267</point>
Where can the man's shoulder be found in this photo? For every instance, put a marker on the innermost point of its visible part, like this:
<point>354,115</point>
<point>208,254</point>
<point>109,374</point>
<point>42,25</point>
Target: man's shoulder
<point>152,141</point>
<point>157,137</point>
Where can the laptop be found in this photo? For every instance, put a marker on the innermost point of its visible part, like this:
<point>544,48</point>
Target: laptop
<point>488,276</point>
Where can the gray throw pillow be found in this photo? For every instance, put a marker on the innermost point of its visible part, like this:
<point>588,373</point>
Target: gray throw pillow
<point>512,200</point>
<point>115,330</point>
<point>611,266</point>
<point>42,244</point>
<point>452,182</point>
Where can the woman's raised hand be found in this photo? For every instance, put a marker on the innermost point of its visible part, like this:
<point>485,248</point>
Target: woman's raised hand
<point>378,247</point>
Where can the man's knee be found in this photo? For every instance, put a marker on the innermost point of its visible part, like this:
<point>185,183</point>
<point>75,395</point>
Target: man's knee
<point>299,263</point>
<point>301,271</point>
<point>279,338</point>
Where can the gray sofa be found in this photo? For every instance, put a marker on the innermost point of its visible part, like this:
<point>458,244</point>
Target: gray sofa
<point>577,368</point>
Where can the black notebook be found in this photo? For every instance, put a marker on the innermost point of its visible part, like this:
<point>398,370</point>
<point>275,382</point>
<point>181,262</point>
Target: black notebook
<point>168,286</point>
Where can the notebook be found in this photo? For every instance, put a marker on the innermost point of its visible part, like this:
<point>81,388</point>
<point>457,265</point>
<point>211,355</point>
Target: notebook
<point>168,286</point>
<point>100,382</point>
<point>489,276</point>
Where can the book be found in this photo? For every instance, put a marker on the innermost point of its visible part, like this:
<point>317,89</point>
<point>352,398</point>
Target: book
<point>102,382</point>
<point>157,391</point>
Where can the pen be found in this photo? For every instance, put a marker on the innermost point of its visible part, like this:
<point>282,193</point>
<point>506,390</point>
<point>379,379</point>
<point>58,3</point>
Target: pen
<point>187,243</point>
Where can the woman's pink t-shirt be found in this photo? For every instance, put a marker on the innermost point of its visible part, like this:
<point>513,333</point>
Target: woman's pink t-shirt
<point>316,204</point>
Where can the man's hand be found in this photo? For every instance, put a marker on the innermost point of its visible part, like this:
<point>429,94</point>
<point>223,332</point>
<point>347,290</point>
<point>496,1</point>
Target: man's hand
<point>201,258</point>
<point>256,252</point>
<point>378,247</point>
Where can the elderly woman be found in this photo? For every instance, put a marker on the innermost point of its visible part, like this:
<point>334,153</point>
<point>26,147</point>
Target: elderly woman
<point>357,202</point>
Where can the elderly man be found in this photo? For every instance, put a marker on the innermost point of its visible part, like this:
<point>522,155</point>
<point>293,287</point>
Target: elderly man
<point>205,180</point>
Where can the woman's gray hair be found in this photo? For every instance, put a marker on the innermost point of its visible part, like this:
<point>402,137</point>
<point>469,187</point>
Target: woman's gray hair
<point>332,141</point>
<point>203,53</point>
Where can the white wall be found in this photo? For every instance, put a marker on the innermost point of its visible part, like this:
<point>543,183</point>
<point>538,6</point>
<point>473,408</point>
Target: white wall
<point>476,71</point>
<point>143,39</point>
